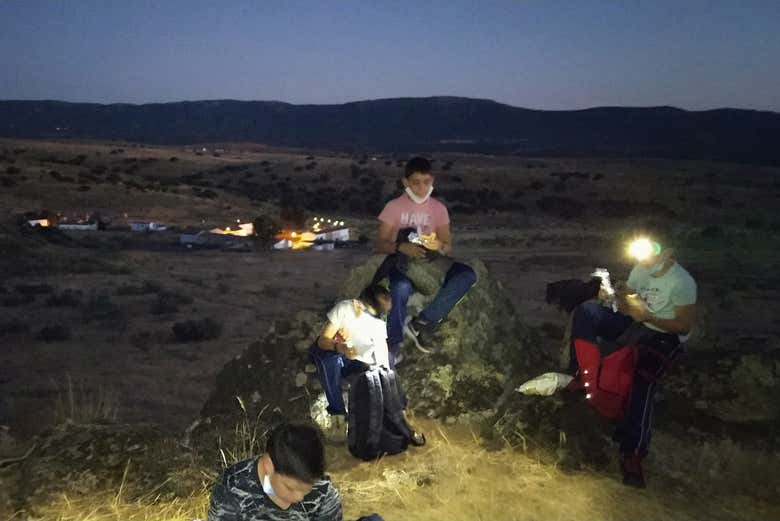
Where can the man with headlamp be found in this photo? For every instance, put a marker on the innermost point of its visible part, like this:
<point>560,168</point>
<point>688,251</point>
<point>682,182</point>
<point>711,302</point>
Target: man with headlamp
<point>656,312</point>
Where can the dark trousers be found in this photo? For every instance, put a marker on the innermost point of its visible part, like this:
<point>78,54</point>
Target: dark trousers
<point>457,282</point>
<point>332,369</point>
<point>601,325</point>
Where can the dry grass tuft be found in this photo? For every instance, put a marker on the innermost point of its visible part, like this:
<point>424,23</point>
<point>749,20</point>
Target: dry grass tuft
<point>77,404</point>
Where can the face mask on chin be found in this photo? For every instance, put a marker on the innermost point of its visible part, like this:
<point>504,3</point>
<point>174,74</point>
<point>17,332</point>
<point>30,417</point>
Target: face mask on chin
<point>658,267</point>
<point>415,198</point>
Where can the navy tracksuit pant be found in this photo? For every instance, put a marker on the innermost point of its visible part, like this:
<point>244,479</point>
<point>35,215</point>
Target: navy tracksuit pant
<point>594,322</point>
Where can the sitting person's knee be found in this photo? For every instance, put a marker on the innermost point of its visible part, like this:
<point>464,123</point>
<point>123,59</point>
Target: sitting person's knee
<point>470,275</point>
<point>401,287</point>
<point>588,309</point>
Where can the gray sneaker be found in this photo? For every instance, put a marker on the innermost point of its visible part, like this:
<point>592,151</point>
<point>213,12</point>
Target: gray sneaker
<point>420,332</point>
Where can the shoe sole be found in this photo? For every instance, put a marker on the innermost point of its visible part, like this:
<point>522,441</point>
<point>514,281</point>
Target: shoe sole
<point>408,330</point>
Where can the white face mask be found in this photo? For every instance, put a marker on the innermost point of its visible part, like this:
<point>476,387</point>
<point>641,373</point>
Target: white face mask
<point>657,268</point>
<point>416,199</point>
<point>267,488</point>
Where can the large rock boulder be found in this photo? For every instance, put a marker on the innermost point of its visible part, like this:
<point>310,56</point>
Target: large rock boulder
<point>480,348</point>
<point>483,347</point>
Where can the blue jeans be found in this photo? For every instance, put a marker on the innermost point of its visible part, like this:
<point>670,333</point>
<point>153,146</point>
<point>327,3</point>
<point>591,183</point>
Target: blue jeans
<point>457,283</point>
<point>593,322</point>
<point>332,369</point>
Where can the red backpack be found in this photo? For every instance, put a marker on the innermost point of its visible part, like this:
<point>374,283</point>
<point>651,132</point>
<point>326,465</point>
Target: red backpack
<point>606,381</point>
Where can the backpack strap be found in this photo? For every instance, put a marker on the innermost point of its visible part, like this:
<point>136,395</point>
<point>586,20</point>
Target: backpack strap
<point>394,409</point>
<point>375,417</point>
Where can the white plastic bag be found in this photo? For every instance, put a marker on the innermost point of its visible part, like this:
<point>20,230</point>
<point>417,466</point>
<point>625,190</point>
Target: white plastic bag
<point>545,384</point>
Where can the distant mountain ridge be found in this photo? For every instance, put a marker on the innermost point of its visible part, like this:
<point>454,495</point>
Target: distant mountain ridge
<point>406,124</point>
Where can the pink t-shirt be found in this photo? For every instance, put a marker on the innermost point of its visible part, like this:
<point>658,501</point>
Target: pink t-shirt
<point>426,218</point>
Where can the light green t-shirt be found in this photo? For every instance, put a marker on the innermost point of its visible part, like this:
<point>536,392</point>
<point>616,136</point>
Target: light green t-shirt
<point>662,294</point>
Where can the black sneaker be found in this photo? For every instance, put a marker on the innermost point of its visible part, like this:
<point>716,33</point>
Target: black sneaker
<point>421,333</point>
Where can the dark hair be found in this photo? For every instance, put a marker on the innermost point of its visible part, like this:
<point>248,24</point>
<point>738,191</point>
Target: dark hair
<point>296,450</point>
<point>417,165</point>
<point>370,295</point>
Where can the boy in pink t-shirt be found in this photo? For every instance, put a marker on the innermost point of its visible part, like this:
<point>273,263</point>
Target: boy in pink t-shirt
<point>415,209</point>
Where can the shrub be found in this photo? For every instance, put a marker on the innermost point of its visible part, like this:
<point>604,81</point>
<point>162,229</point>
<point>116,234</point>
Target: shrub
<point>173,159</point>
<point>150,286</point>
<point>197,330</point>
<point>713,202</point>
<point>141,340</point>
<point>206,194</point>
<point>712,231</point>
<point>68,297</point>
<point>58,333</point>
<point>17,300</point>
<point>101,306</point>
<point>755,223</point>
<point>164,305</point>
<point>34,289</point>
<point>169,302</point>
<point>78,160</point>
<point>14,327</point>
<point>564,207</point>
<point>271,292</point>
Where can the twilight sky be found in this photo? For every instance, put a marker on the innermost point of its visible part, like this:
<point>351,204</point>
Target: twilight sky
<point>549,54</point>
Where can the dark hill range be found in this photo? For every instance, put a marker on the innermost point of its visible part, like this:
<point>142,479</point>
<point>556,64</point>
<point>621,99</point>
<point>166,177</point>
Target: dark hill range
<point>437,123</point>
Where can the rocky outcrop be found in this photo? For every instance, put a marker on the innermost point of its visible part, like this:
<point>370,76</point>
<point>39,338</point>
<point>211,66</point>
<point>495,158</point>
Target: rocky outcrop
<point>482,348</point>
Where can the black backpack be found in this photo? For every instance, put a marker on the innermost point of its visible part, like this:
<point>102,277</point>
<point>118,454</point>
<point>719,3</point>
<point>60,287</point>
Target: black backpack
<point>376,424</point>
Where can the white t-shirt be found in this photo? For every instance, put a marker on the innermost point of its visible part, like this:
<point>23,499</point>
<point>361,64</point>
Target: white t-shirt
<point>662,294</point>
<point>365,333</point>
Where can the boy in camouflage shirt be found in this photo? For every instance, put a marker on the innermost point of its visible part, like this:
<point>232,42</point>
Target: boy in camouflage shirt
<point>287,483</point>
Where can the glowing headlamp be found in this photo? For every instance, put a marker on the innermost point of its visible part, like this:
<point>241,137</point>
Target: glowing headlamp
<point>643,248</point>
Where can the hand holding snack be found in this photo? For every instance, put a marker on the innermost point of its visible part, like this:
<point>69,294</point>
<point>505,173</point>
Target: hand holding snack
<point>430,242</point>
<point>343,345</point>
<point>637,308</point>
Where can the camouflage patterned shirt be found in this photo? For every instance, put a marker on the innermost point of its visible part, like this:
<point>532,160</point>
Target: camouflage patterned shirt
<point>240,497</point>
